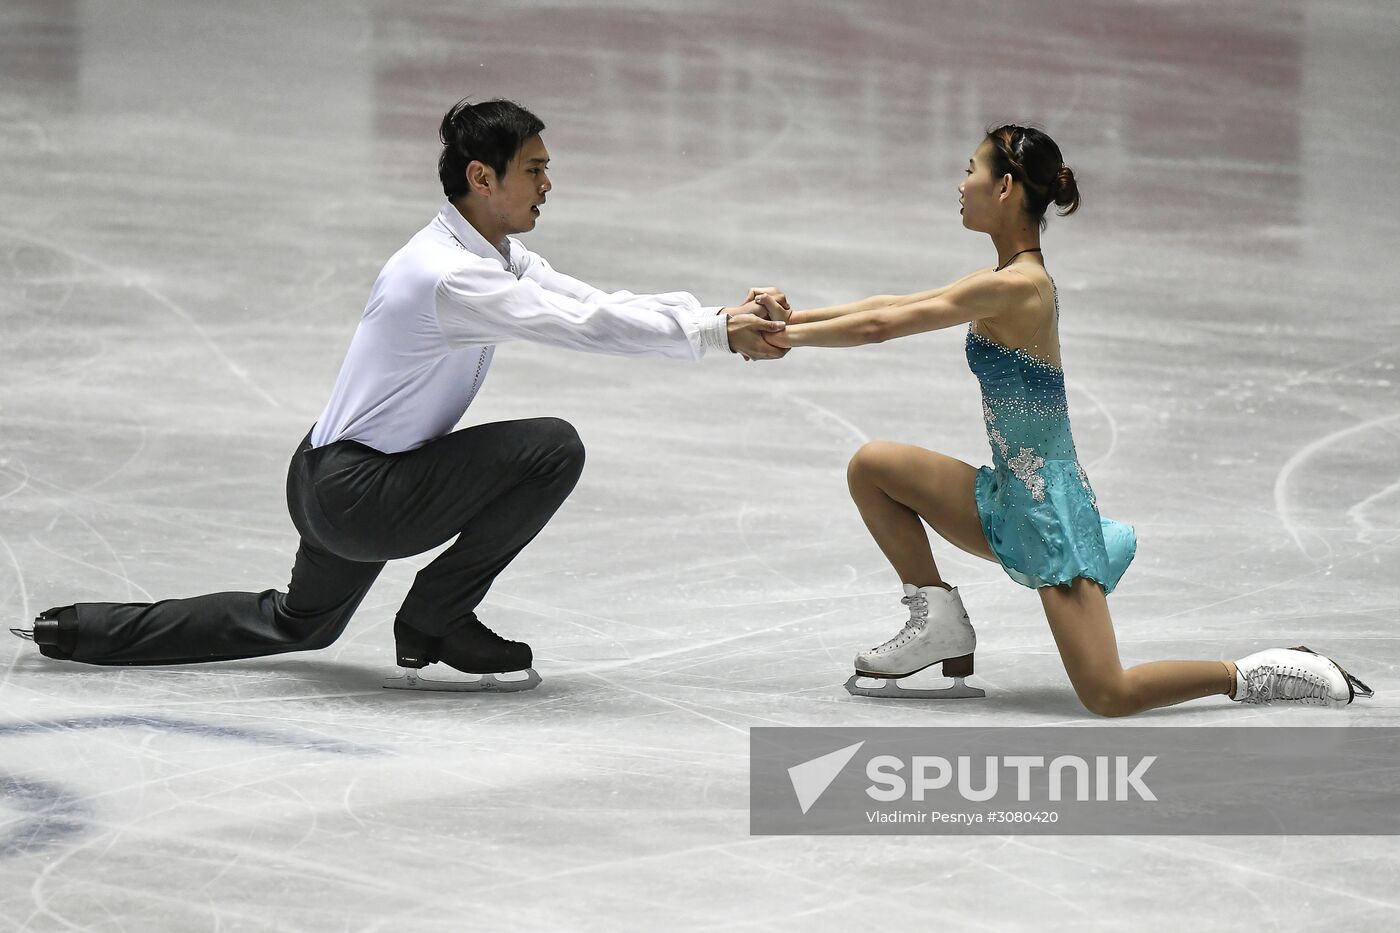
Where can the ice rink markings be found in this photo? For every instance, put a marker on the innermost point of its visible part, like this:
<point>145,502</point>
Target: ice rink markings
<point>1300,457</point>
<point>133,281</point>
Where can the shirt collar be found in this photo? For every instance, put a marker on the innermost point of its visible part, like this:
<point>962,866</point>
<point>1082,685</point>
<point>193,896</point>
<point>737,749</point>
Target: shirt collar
<point>470,238</point>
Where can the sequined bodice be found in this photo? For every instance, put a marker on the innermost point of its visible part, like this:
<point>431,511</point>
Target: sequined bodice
<point>1023,403</point>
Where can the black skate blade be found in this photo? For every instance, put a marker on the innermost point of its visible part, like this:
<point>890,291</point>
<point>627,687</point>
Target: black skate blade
<point>889,688</point>
<point>1358,689</point>
<point>507,682</point>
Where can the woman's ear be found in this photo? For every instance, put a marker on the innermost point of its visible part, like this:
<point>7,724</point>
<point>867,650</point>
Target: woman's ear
<point>1005,191</point>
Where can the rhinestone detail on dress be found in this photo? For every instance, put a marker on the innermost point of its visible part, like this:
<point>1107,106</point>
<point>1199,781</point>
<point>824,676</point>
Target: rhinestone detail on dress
<point>1024,465</point>
<point>1084,481</point>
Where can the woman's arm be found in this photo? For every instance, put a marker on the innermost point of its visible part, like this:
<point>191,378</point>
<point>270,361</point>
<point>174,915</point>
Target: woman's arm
<point>984,294</point>
<point>813,315</point>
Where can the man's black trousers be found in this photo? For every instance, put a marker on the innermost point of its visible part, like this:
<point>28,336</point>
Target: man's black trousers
<point>493,487</point>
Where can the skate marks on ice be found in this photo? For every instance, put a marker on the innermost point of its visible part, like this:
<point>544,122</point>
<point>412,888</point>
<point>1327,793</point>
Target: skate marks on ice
<point>37,814</point>
<point>1359,512</point>
<point>24,605</point>
<point>135,280</point>
<point>668,687</point>
<point>268,738</point>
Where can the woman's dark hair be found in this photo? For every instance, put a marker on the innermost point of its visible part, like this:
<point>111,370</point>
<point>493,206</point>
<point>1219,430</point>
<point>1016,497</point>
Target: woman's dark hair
<point>491,132</point>
<point>1033,159</point>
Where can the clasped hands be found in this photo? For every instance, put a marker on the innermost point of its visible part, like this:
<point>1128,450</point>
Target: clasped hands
<point>756,327</point>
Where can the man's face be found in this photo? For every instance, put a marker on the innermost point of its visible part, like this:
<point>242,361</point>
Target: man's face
<point>521,190</point>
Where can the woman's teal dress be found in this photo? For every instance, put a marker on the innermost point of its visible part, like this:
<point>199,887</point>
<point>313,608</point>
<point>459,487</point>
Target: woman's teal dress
<point>1037,508</point>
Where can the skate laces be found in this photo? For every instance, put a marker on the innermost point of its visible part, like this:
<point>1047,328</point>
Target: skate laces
<point>918,619</point>
<point>491,635</point>
<point>1270,682</point>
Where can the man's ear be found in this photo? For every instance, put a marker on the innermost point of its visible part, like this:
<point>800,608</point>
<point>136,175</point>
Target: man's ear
<point>481,178</point>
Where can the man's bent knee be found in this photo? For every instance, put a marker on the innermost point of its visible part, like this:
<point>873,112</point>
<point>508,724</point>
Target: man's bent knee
<point>562,440</point>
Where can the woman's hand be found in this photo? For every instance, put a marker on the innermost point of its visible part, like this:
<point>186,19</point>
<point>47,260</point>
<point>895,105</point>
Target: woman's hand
<point>773,303</point>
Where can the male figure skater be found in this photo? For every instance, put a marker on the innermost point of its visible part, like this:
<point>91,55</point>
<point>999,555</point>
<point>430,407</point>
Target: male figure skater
<point>382,475</point>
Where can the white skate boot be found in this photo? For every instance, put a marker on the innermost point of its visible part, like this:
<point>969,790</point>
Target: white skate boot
<point>1294,675</point>
<point>937,631</point>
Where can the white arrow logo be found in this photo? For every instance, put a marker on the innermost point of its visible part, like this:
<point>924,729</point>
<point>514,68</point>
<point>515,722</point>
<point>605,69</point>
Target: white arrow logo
<point>811,778</point>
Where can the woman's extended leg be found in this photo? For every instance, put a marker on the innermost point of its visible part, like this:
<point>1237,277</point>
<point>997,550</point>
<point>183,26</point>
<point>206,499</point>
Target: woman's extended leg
<point>1083,630</point>
<point>893,485</point>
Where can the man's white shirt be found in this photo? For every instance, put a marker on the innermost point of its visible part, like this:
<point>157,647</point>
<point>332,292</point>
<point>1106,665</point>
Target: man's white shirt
<point>442,303</point>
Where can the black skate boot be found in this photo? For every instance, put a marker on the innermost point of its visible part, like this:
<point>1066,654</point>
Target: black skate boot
<point>472,649</point>
<point>414,648</point>
<point>475,649</point>
<point>55,631</point>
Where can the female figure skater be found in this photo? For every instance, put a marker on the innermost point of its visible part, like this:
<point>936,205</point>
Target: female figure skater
<point>1033,510</point>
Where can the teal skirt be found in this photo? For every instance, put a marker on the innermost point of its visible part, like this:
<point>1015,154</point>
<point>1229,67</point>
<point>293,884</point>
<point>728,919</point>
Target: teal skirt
<point>1056,538</point>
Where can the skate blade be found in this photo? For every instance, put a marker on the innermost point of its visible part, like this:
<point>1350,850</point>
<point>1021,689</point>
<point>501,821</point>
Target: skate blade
<point>1358,689</point>
<point>513,682</point>
<point>889,687</point>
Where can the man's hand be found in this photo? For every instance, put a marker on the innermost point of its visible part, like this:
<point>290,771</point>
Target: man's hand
<point>778,339</point>
<point>772,300</point>
<point>746,333</point>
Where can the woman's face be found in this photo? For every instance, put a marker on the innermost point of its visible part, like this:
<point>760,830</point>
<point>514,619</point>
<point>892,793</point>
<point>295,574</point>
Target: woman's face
<point>980,190</point>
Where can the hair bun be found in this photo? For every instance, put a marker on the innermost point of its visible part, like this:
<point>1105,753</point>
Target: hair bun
<point>1033,159</point>
<point>1066,192</point>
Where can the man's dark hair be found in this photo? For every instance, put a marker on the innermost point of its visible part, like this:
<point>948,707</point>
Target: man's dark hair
<point>491,132</point>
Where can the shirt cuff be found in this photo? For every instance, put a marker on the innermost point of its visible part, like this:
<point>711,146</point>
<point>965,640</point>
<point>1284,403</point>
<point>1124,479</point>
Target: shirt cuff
<point>714,329</point>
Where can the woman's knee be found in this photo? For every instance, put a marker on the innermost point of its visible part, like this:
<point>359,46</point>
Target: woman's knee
<point>1109,698</point>
<point>869,462</point>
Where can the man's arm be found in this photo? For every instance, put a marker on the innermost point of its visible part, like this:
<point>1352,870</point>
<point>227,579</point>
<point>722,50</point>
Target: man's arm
<point>482,303</point>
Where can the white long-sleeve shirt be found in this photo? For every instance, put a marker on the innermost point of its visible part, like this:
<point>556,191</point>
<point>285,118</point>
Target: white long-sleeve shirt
<point>442,303</point>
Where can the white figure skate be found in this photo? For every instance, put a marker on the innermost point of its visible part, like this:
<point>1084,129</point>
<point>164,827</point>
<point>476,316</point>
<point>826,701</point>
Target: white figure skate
<point>1295,676</point>
<point>938,630</point>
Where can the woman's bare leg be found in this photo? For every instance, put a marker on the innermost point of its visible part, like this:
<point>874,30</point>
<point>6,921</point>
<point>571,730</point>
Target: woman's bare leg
<point>1083,630</point>
<point>894,485</point>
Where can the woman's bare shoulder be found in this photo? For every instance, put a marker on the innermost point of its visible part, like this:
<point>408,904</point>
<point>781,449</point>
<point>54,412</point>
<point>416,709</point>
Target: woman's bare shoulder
<point>1029,306</point>
<point>1012,292</point>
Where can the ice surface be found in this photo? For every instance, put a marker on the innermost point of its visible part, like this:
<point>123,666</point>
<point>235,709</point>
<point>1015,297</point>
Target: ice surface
<point>194,201</point>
